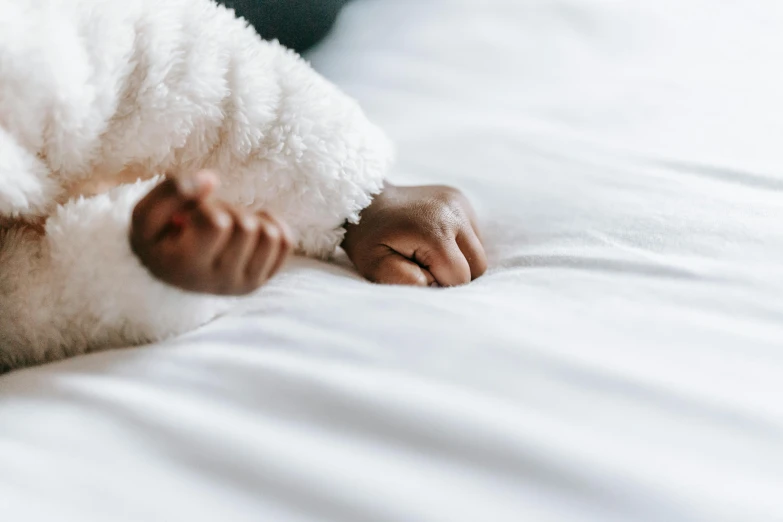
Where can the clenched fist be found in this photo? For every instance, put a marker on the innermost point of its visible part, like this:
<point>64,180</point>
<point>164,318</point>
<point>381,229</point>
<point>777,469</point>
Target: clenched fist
<point>421,236</point>
<point>188,239</point>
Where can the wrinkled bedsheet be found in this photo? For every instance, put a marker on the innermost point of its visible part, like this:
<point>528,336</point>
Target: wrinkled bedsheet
<point>622,361</point>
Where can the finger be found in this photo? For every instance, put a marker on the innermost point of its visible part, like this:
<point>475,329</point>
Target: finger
<point>193,188</point>
<point>154,213</point>
<point>467,209</point>
<point>196,186</point>
<point>395,269</point>
<point>267,251</point>
<point>473,250</point>
<point>210,227</point>
<point>286,243</point>
<point>244,236</point>
<point>447,264</point>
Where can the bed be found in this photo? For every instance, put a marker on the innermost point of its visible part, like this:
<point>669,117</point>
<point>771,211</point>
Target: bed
<point>621,361</point>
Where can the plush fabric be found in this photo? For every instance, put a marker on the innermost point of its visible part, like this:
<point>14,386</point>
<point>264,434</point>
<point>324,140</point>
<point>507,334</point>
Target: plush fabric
<point>93,91</point>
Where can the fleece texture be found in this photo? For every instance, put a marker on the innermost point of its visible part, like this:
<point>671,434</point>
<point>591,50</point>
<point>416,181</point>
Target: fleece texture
<point>93,89</point>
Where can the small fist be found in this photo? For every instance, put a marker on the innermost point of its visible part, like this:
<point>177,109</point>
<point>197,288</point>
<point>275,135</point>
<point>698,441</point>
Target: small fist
<point>188,239</point>
<point>422,236</point>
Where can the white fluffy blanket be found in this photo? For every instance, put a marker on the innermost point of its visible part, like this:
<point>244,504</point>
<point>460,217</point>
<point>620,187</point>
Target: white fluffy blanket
<point>92,90</point>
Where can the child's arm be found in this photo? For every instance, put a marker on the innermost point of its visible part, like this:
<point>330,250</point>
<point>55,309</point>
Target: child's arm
<point>319,165</point>
<point>182,85</point>
<point>282,137</point>
<point>179,85</point>
<point>79,287</point>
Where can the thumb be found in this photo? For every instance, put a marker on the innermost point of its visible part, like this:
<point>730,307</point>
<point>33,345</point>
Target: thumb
<point>197,185</point>
<point>394,269</point>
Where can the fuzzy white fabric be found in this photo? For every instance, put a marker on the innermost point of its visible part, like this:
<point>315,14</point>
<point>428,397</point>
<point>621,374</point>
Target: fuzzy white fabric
<point>92,88</point>
<point>620,362</point>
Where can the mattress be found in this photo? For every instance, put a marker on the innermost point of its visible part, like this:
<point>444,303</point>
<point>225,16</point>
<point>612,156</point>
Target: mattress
<point>621,361</point>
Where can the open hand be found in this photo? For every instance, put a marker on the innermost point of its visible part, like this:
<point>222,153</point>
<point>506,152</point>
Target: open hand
<point>187,238</point>
<point>417,236</point>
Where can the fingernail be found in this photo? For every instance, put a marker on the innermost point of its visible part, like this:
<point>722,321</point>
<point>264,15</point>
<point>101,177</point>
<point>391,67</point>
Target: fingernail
<point>194,185</point>
<point>188,185</point>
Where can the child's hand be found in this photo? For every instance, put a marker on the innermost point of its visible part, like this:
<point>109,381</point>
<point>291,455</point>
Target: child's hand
<point>417,236</point>
<point>190,240</point>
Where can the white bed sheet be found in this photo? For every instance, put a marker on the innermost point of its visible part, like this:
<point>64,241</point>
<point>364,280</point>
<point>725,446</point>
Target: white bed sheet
<point>621,361</point>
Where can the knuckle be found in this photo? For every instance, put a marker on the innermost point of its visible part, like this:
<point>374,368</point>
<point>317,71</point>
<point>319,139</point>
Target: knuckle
<point>445,223</point>
<point>247,224</point>
<point>448,189</point>
<point>270,232</point>
<point>448,195</point>
<point>453,200</point>
<point>219,220</point>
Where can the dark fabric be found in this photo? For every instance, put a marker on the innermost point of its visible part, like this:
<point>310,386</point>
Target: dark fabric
<point>298,24</point>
